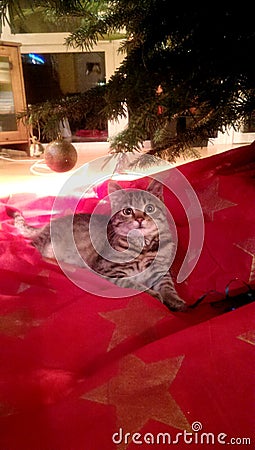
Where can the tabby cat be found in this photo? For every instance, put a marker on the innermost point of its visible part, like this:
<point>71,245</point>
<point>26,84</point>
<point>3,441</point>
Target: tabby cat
<point>136,251</point>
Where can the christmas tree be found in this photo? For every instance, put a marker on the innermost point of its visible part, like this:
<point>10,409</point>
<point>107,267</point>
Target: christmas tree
<point>188,73</point>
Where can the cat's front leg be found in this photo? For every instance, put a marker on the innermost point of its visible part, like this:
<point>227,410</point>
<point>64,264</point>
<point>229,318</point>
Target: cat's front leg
<point>163,291</point>
<point>165,288</point>
<point>131,284</point>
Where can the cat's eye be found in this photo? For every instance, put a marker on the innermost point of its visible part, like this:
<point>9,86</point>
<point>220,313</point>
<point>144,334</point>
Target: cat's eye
<point>149,209</point>
<point>127,211</point>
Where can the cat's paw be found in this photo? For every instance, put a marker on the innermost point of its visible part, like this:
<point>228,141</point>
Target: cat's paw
<point>176,304</point>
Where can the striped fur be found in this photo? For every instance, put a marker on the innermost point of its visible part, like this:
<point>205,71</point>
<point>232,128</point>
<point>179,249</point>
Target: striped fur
<point>138,221</point>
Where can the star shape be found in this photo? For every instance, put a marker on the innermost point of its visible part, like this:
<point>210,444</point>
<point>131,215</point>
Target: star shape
<point>248,337</point>
<point>17,323</point>
<point>23,287</point>
<point>211,202</point>
<point>143,319</point>
<point>140,392</point>
<point>248,246</point>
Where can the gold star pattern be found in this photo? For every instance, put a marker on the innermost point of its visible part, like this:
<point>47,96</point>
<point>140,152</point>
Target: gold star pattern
<point>23,287</point>
<point>248,246</point>
<point>211,202</point>
<point>248,337</point>
<point>142,319</point>
<point>44,273</point>
<point>140,392</point>
<point>17,323</point>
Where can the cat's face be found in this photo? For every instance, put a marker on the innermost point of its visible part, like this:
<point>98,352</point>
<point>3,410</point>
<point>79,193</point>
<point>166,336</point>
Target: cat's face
<point>137,209</point>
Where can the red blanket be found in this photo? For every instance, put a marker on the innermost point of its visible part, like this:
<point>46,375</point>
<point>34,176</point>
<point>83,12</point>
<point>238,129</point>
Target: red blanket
<point>81,371</point>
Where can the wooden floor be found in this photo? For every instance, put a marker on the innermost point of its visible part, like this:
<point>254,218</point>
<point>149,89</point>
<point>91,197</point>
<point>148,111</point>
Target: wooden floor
<point>20,175</point>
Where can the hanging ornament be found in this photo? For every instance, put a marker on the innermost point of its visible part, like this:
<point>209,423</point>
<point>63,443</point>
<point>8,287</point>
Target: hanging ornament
<point>60,155</point>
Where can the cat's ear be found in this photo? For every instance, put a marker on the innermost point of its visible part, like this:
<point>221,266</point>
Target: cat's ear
<point>113,186</point>
<point>156,188</point>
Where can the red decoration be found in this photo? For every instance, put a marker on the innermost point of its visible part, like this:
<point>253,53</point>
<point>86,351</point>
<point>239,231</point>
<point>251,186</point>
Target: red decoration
<point>60,155</point>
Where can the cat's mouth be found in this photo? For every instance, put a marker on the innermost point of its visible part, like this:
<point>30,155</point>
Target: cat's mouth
<point>138,224</point>
<point>144,227</point>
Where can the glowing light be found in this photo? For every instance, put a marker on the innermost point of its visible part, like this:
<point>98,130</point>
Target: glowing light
<point>36,59</point>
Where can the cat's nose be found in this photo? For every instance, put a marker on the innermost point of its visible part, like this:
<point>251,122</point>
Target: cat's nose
<point>139,220</point>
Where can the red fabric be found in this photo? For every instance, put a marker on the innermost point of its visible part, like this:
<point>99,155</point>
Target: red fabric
<point>76,368</point>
